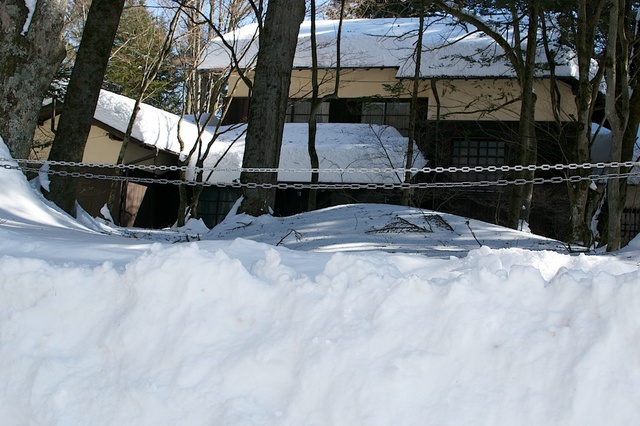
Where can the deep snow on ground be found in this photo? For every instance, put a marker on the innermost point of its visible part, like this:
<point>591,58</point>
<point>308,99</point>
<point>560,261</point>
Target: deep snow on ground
<point>360,315</point>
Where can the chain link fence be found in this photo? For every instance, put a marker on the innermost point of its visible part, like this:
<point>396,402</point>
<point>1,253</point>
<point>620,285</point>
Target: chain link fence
<point>609,171</point>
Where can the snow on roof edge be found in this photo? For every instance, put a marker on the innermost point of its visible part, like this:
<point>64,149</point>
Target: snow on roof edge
<point>346,148</point>
<point>340,145</point>
<point>387,43</point>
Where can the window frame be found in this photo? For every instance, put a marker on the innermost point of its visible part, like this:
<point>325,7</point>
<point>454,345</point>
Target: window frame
<point>473,152</point>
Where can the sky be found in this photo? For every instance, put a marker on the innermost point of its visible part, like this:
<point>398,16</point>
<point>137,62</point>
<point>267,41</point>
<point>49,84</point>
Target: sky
<point>354,315</point>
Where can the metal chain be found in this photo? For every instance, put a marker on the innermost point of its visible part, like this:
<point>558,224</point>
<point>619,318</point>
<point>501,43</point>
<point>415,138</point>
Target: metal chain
<point>378,170</point>
<point>12,165</point>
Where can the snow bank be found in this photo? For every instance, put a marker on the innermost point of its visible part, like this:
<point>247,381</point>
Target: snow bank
<point>20,204</point>
<point>192,335</point>
<point>101,330</point>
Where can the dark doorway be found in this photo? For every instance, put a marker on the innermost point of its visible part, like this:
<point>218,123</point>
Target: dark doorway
<point>345,111</point>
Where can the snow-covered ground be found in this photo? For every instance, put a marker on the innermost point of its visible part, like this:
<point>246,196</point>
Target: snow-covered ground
<point>358,315</point>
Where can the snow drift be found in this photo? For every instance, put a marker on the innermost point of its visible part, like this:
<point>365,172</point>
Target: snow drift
<point>100,329</point>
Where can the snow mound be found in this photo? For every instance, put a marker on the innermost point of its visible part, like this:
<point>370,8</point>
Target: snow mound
<point>103,330</point>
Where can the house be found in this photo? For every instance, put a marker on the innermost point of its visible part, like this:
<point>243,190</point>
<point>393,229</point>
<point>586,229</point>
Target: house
<point>468,102</point>
<point>344,148</point>
<point>153,143</point>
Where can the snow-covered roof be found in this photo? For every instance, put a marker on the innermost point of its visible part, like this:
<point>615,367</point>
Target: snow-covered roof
<point>339,146</point>
<point>153,126</point>
<point>386,43</point>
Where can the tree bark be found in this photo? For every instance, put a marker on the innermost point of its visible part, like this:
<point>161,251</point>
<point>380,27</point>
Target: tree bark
<point>267,110</point>
<point>520,203</point>
<point>316,101</point>
<point>28,62</point>
<point>313,116</point>
<point>407,194</point>
<point>588,17</point>
<point>146,78</point>
<point>82,96</point>
<point>617,111</point>
<point>633,119</point>
<point>523,63</point>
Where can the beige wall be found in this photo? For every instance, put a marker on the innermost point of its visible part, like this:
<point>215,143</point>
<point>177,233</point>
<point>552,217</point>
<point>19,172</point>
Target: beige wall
<point>460,99</point>
<point>99,148</point>
<point>102,149</point>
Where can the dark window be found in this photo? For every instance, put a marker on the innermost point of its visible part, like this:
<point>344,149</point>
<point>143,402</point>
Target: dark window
<point>345,111</point>
<point>238,111</point>
<point>477,152</point>
<point>299,111</point>
<point>629,225</point>
<point>390,113</point>
<point>395,114</point>
<point>215,203</point>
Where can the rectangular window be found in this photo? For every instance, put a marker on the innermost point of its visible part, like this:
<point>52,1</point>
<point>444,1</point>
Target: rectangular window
<point>215,203</point>
<point>629,224</point>
<point>299,112</point>
<point>373,113</point>
<point>477,152</point>
<point>345,111</point>
<point>390,113</point>
<point>395,114</point>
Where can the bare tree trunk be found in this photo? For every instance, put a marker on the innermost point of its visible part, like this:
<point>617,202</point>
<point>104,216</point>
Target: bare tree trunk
<point>520,203</point>
<point>617,111</point>
<point>82,96</point>
<point>313,116</point>
<point>633,120</point>
<point>203,93</point>
<point>408,193</point>
<point>147,78</point>
<point>588,16</point>
<point>316,102</point>
<point>523,63</point>
<point>268,106</point>
<point>578,192</point>
<point>28,62</point>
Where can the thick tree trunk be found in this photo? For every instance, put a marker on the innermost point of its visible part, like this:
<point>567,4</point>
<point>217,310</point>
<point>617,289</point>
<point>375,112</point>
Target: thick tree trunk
<point>82,96</point>
<point>588,16</point>
<point>407,194</point>
<point>28,62</point>
<point>521,196</point>
<point>578,192</point>
<point>268,106</point>
<point>312,202</point>
<point>524,66</point>
<point>617,111</point>
<point>146,78</point>
<point>183,200</point>
<point>316,102</point>
<point>633,122</point>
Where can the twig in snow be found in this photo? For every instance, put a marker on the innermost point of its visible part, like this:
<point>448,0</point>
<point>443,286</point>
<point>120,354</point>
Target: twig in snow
<point>473,233</point>
<point>296,233</point>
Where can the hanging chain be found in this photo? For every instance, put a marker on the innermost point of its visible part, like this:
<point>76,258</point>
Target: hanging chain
<point>379,170</point>
<point>28,167</point>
